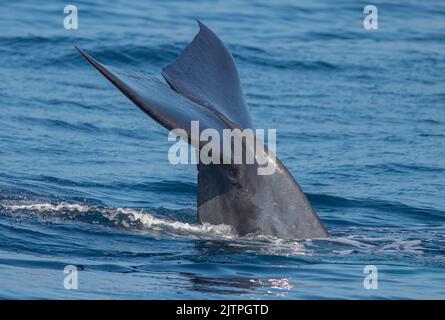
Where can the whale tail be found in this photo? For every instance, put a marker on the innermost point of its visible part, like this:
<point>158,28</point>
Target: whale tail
<point>204,85</point>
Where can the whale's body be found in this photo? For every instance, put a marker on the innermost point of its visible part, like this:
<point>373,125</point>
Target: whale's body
<point>204,85</point>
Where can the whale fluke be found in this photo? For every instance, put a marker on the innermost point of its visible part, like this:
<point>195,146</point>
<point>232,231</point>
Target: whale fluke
<point>205,72</point>
<point>203,85</point>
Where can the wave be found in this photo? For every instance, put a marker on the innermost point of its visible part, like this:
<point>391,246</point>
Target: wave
<point>126,218</point>
<point>283,64</point>
<point>170,186</point>
<point>120,52</point>
<point>350,241</point>
<point>48,55</point>
<point>383,206</point>
<point>78,127</point>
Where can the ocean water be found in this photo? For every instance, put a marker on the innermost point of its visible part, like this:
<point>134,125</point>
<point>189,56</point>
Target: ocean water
<point>85,179</point>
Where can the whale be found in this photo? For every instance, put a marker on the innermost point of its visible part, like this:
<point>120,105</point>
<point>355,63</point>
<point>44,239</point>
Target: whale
<point>203,84</point>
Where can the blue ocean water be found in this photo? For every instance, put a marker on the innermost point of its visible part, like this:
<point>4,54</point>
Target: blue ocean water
<point>85,179</point>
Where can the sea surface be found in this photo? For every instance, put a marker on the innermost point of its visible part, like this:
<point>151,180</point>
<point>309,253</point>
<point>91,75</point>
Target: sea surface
<point>85,179</point>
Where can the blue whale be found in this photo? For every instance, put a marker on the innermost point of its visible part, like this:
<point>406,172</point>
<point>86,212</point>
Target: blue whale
<point>203,85</point>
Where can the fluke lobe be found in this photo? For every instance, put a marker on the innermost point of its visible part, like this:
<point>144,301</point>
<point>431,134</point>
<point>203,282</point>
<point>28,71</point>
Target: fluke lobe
<point>203,85</point>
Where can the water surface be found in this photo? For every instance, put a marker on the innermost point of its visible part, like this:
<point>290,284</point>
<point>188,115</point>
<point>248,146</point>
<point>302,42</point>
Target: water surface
<point>85,179</point>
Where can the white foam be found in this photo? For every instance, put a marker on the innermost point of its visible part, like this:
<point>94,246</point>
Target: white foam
<point>42,207</point>
<point>147,220</point>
